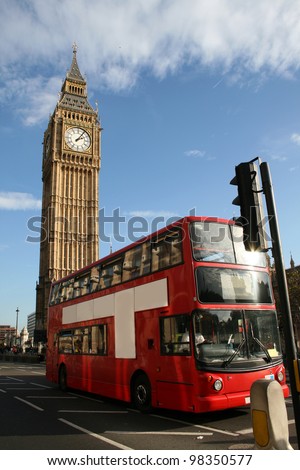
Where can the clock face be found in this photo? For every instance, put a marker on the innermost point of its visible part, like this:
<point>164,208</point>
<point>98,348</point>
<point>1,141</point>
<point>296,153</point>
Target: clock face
<point>77,139</point>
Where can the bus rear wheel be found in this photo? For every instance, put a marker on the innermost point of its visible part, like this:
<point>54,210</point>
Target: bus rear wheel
<point>62,378</point>
<point>142,393</point>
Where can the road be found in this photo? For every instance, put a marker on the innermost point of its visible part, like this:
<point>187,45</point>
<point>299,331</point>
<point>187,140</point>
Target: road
<point>35,414</point>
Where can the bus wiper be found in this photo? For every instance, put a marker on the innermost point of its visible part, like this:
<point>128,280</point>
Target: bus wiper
<point>234,354</point>
<point>269,359</point>
<point>260,344</point>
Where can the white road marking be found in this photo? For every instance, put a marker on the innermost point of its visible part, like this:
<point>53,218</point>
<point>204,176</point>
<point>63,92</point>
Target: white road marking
<point>39,385</point>
<point>30,404</point>
<point>20,388</point>
<point>241,447</point>
<point>85,398</point>
<point>53,398</point>
<point>8,383</point>
<point>3,391</point>
<point>31,370</point>
<point>161,433</point>
<point>37,373</point>
<point>13,378</point>
<point>229,433</point>
<point>207,428</point>
<point>250,430</point>
<point>92,411</point>
<point>97,436</point>
<point>246,431</point>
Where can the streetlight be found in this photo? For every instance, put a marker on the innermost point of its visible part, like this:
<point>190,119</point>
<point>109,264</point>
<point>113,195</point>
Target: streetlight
<point>17,312</point>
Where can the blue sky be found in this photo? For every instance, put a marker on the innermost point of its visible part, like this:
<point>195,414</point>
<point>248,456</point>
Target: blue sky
<point>186,91</point>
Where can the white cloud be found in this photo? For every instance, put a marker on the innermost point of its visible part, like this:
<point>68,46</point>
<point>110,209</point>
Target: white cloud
<point>279,158</point>
<point>41,96</point>
<point>18,201</point>
<point>295,138</point>
<point>148,214</point>
<point>34,97</point>
<point>118,40</point>
<point>196,153</point>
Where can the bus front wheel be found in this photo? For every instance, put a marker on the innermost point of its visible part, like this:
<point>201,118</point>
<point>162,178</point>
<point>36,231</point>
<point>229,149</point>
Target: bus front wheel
<point>62,379</point>
<point>142,393</point>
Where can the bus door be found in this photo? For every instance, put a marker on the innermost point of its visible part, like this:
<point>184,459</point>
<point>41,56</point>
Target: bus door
<point>175,364</point>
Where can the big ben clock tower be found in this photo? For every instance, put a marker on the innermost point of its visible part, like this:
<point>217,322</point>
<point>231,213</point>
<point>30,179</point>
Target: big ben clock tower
<point>71,164</point>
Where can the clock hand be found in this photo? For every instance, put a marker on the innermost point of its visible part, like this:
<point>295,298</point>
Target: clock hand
<point>80,137</point>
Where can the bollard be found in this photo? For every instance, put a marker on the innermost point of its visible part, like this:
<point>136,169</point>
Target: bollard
<point>269,416</point>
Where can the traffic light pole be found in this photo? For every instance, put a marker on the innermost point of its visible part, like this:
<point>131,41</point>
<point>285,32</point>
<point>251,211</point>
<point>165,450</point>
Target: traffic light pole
<point>291,351</point>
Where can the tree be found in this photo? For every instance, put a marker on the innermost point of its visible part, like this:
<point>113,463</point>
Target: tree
<point>293,281</point>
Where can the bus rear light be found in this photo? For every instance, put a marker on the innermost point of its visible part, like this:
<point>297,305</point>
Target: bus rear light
<point>218,385</point>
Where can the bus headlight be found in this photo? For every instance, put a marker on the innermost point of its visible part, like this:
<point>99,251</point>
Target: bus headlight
<point>218,385</point>
<point>280,376</point>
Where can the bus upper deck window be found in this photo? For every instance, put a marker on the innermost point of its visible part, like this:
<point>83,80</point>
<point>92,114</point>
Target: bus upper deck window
<point>212,242</point>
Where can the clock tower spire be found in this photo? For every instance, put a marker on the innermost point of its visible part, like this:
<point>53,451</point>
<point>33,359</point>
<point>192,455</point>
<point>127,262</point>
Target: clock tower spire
<point>74,72</point>
<point>70,202</point>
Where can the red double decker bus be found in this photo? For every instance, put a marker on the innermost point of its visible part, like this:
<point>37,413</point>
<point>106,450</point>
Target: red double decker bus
<point>183,319</point>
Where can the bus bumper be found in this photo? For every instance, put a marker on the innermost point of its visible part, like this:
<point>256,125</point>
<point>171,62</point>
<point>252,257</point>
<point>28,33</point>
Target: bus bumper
<point>231,400</point>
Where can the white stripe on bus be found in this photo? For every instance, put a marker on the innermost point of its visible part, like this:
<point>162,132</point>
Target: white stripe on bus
<point>122,305</point>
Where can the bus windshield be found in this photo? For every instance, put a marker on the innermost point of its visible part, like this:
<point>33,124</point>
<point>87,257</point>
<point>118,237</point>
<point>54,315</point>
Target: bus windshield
<point>221,243</point>
<point>232,286</point>
<point>236,338</point>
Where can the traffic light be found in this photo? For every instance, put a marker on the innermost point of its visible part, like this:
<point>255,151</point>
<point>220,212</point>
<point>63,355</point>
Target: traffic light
<point>251,209</point>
